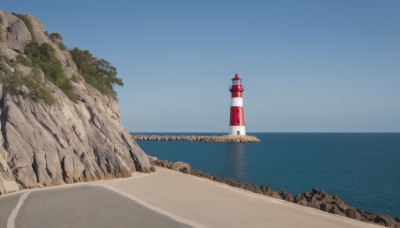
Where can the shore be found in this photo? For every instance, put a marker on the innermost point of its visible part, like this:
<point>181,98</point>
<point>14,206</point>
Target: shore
<point>315,199</point>
<point>201,202</point>
<point>187,199</point>
<point>214,138</point>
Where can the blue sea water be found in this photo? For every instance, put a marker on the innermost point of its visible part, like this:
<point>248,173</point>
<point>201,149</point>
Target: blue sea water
<point>361,168</point>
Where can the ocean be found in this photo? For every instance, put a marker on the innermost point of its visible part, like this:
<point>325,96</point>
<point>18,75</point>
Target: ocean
<point>363,169</point>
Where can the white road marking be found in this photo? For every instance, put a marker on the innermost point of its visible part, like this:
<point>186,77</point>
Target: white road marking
<point>14,212</point>
<point>154,208</point>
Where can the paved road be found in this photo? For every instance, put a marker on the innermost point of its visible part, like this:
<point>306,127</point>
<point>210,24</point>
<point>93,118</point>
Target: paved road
<point>80,206</point>
<point>172,197</point>
<point>7,204</point>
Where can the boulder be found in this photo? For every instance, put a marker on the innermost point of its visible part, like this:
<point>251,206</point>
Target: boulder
<point>302,202</point>
<point>266,190</point>
<point>287,196</point>
<point>353,213</point>
<point>335,210</point>
<point>16,32</point>
<point>385,221</point>
<point>308,196</point>
<point>326,207</point>
<point>312,205</point>
<point>275,195</point>
<point>181,166</point>
<point>337,199</point>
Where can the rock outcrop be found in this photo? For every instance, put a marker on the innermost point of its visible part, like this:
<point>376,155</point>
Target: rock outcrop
<point>213,138</point>
<point>44,145</point>
<point>315,198</point>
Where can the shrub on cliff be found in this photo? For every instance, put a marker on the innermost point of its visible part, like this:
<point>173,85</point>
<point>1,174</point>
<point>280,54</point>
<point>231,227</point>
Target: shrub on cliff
<point>97,72</point>
<point>55,36</point>
<point>57,39</point>
<point>43,56</point>
<point>24,61</point>
<point>14,81</point>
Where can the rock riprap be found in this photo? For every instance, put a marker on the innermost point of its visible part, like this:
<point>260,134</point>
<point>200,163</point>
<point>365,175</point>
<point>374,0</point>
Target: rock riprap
<point>203,138</point>
<point>315,198</point>
<point>50,144</point>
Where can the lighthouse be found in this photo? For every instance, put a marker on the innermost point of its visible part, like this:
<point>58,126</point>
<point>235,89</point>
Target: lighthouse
<point>236,126</point>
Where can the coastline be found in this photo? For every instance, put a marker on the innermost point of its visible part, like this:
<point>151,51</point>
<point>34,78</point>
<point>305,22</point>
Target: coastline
<point>315,199</point>
<point>211,139</point>
<point>201,202</point>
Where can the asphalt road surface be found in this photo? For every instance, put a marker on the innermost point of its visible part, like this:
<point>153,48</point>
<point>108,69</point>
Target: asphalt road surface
<point>78,206</point>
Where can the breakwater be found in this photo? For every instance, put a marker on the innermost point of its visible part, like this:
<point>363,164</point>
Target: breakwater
<point>213,138</point>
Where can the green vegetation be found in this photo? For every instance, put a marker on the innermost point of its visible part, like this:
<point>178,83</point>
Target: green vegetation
<point>26,21</point>
<point>62,46</point>
<point>4,69</point>
<point>97,72</point>
<point>24,61</point>
<point>37,57</point>
<point>43,57</point>
<point>36,89</point>
<point>13,82</point>
<point>57,38</point>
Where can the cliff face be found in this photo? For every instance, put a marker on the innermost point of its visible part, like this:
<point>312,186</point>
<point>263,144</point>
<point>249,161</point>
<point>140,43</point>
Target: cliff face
<point>66,142</point>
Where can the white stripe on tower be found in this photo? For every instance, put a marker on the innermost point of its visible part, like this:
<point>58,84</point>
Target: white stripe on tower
<point>233,130</point>
<point>237,101</point>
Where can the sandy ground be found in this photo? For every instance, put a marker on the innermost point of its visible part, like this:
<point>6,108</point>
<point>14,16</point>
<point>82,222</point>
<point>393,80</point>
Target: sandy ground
<point>203,203</point>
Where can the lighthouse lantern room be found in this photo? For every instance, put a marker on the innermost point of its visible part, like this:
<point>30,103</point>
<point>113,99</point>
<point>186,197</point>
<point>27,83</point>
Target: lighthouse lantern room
<point>237,126</point>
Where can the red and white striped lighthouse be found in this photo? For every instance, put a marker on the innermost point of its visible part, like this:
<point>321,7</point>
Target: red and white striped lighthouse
<point>236,126</point>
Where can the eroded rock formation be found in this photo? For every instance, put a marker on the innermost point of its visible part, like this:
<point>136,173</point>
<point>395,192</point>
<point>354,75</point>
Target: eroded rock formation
<point>42,144</point>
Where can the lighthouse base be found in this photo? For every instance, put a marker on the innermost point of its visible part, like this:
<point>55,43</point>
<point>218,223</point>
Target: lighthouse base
<point>237,130</point>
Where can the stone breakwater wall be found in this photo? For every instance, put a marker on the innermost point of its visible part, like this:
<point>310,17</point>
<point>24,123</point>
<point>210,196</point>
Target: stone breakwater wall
<point>215,138</point>
<point>315,198</point>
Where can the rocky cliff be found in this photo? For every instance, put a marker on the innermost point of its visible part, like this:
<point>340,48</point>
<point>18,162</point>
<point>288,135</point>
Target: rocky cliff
<point>67,141</point>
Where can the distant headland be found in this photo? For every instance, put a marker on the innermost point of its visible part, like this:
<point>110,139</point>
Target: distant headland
<point>211,138</point>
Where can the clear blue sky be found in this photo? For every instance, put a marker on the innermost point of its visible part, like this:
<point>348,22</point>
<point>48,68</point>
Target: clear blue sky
<point>307,66</point>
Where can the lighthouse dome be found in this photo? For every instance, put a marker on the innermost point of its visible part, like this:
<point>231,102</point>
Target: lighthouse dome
<point>236,80</point>
<point>236,77</point>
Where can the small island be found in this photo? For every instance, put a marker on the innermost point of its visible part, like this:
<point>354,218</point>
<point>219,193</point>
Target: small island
<point>212,138</point>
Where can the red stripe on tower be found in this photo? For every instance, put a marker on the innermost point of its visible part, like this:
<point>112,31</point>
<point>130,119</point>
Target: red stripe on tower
<point>236,126</point>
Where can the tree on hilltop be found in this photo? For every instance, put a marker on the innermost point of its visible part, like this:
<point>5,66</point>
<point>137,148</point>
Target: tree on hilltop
<point>97,72</point>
